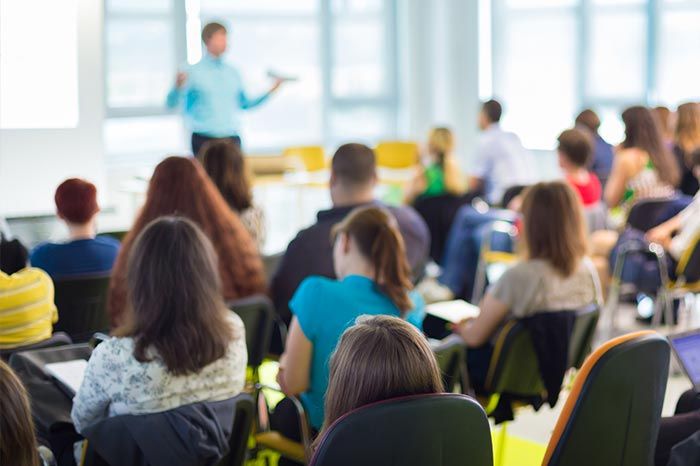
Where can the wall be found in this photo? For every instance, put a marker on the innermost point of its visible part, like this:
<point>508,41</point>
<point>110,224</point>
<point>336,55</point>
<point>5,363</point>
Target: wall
<point>34,162</point>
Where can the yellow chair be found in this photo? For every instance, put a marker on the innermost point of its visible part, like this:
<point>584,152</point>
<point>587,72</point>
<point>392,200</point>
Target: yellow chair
<point>396,154</point>
<point>311,157</point>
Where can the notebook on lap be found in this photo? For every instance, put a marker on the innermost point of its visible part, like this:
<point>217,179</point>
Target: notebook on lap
<point>686,347</point>
<point>68,375</point>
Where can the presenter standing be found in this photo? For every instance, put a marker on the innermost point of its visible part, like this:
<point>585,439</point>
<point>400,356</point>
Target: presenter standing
<point>212,94</point>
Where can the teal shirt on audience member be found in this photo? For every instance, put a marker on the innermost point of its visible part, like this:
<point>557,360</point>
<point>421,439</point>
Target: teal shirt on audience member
<point>325,308</point>
<point>213,97</point>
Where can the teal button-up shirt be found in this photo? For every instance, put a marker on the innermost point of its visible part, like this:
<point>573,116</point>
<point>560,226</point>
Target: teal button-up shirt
<point>213,98</point>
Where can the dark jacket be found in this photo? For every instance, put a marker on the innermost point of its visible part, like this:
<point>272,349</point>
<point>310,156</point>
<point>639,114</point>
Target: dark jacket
<point>311,252</point>
<point>191,435</point>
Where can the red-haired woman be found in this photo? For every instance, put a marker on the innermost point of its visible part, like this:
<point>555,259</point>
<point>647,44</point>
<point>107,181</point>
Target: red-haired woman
<point>180,186</point>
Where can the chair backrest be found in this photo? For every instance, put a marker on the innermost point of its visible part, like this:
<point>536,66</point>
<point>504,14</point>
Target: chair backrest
<point>439,213</point>
<point>271,263</point>
<point>645,214</point>
<point>596,216</point>
<point>242,424</point>
<point>311,157</point>
<point>450,355</point>
<point>82,305</point>
<point>440,430</point>
<point>396,154</point>
<point>57,339</point>
<point>613,412</point>
<point>511,193</point>
<point>582,334</point>
<point>689,263</point>
<point>258,316</point>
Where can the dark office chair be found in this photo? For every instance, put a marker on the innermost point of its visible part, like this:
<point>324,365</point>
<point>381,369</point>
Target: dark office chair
<point>439,213</point>
<point>57,339</point>
<point>439,430</point>
<point>613,412</point>
<point>258,316</point>
<point>82,305</point>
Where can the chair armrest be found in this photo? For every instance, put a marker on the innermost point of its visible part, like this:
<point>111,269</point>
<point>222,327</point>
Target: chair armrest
<point>304,428</point>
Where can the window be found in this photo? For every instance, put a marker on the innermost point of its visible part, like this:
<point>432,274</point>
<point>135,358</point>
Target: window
<point>561,56</point>
<point>341,52</point>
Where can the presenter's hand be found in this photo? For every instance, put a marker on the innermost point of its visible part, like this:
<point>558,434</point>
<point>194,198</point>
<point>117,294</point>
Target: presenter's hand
<point>180,80</point>
<point>276,85</point>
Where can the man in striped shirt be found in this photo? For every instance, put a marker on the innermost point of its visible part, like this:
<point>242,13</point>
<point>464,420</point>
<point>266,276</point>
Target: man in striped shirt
<point>27,310</point>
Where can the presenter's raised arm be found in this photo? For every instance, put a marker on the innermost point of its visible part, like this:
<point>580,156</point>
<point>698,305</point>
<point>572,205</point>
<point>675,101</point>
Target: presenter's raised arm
<point>176,93</point>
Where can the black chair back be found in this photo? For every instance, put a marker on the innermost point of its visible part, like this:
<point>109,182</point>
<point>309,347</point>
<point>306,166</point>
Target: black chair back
<point>438,213</point>
<point>613,413</point>
<point>646,214</point>
<point>511,193</point>
<point>242,425</point>
<point>57,339</point>
<point>82,305</point>
<point>258,316</point>
<point>450,355</point>
<point>689,266</point>
<point>439,430</point>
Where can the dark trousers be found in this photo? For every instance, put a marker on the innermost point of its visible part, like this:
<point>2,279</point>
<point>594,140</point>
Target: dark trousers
<point>679,427</point>
<point>198,141</point>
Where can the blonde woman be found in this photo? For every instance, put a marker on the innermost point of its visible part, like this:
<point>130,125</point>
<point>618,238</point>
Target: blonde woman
<point>440,173</point>
<point>687,139</point>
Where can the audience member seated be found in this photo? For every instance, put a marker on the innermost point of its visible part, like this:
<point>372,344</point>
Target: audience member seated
<point>353,179</point>
<point>602,160</point>
<point>27,311</point>
<point>501,160</point>
<point>554,274</point>
<point>13,254</point>
<point>180,186</point>
<point>643,169</point>
<point>676,235</point>
<point>180,344</point>
<point>19,445</point>
<point>224,163</point>
<point>440,173</point>
<point>84,253</point>
<point>378,358</point>
<point>373,278</point>
<point>686,141</point>
<point>574,151</point>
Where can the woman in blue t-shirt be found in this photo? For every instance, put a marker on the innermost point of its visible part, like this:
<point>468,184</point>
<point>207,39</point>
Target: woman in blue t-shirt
<point>373,278</point>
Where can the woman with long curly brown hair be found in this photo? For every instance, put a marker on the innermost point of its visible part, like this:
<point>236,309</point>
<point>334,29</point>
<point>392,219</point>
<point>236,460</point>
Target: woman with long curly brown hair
<point>180,186</point>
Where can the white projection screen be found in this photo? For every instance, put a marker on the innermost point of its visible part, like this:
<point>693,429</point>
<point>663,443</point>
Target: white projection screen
<point>38,64</point>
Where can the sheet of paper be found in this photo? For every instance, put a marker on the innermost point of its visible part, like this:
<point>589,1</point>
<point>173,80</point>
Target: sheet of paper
<point>453,311</point>
<point>69,373</point>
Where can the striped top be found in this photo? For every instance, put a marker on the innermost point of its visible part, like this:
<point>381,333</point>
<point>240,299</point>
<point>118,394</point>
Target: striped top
<point>646,185</point>
<point>27,310</point>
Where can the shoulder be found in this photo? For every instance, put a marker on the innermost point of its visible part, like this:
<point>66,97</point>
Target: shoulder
<point>25,277</point>
<point>108,241</point>
<point>525,271</point>
<point>312,286</point>
<point>113,353</point>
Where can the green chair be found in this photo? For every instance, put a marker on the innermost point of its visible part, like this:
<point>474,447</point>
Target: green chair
<point>82,305</point>
<point>450,355</point>
<point>613,412</point>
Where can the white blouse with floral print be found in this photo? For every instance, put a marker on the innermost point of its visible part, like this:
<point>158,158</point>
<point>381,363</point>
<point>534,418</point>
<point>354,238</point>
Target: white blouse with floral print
<point>116,383</point>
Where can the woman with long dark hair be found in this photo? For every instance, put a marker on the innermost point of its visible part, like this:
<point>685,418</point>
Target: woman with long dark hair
<point>180,186</point>
<point>179,343</point>
<point>224,163</point>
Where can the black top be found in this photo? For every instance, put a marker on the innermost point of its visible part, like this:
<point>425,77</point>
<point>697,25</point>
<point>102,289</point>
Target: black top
<point>311,251</point>
<point>689,184</point>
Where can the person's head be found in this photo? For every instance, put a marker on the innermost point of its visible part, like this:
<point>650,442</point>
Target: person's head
<point>76,202</point>
<point>490,114</point>
<point>379,358</point>
<point>441,143</point>
<point>214,38</point>
<point>369,239</point>
<point>642,132</point>
<point>664,117</point>
<point>175,299</point>
<point>589,120</point>
<point>224,163</point>
<point>353,174</point>
<point>553,226</point>
<point>688,126</point>
<point>575,149</point>
<point>18,445</point>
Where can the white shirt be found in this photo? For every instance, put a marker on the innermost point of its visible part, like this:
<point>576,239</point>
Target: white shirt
<point>690,228</point>
<point>501,162</point>
<point>116,383</point>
